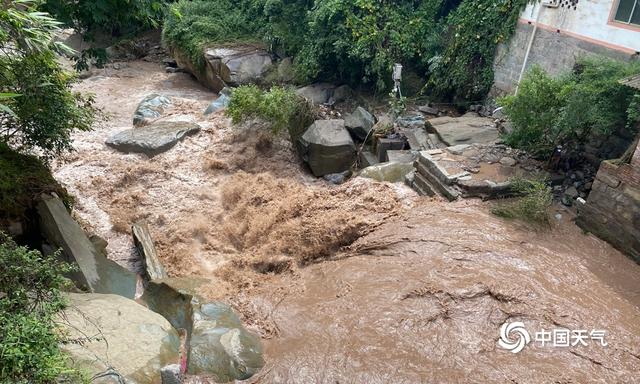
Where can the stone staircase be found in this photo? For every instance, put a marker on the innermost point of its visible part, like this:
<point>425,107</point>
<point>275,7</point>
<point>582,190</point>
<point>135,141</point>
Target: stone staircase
<point>430,179</point>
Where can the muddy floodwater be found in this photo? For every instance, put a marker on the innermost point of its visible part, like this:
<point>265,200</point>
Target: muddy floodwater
<point>360,283</point>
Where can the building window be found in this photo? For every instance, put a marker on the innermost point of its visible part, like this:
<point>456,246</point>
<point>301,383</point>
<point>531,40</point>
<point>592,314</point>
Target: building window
<point>628,12</point>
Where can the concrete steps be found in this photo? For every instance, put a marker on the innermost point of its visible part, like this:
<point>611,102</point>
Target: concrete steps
<point>430,179</point>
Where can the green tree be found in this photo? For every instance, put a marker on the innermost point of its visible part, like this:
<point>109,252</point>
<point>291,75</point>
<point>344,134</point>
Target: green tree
<point>30,298</point>
<point>39,109</point>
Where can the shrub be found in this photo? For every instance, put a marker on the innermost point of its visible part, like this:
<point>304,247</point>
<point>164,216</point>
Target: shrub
<point>570,109</point>
<point>532,205</point>
<point>359,41</point>
<point>114,17</point>
<point>30,298</point>
<point>280,107</point>
<point>43,110</point>
<point>193,25</point>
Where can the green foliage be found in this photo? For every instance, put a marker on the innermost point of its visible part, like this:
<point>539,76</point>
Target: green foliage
<point>194,25</point>
<point>533,204</point>
<point>115,17</point>
<point>279,106</point>
<point>23,178</point>
<point>41,110</point>
<point>359,41</point>
<point>570,109</point>
<point>474,29</point>
<point>30,297</point>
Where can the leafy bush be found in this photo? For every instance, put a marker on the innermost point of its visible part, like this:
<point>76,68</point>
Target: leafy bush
<point>194,25</point>
<point>358,41</point>
<point>280,107</point>
<point>472,32</point>
<point>30,297</point>
<point>42,110</point>
<point>533,204</point>
<point>114,17</point>
<point>570,109</point>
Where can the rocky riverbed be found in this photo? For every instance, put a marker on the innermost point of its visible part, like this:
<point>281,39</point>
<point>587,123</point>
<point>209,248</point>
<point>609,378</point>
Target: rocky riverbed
<point>361,282</point>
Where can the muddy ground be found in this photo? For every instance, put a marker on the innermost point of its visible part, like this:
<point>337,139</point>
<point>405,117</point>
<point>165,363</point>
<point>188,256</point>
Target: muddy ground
<point>360,283</point>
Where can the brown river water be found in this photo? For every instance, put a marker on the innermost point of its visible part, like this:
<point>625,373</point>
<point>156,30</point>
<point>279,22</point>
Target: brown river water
<point>361,283</point>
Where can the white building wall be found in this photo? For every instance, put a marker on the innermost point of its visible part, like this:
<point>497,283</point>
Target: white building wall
<point>591,20</point>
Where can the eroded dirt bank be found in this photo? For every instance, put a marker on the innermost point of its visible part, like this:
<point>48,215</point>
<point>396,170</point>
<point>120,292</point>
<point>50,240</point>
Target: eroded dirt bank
<point>419,297</point>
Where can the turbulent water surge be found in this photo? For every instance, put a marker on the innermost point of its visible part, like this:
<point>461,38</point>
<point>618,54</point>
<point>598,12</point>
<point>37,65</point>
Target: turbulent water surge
<point>364,282</point>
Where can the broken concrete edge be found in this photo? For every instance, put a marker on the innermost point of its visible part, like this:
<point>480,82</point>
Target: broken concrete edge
<point>425,159</point>
<point>96,273</point>
<point>144,244</point>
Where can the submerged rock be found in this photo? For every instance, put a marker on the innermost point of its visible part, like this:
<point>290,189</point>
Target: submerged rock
<point>222,102</point>
<point>327,147</point>
<point>117,337</point>
<point>359,123</point>
<point>389,172</point>
<point>220,346</point>
<point>149,109</point>
<point>95,272</point>
<point>152,139</point>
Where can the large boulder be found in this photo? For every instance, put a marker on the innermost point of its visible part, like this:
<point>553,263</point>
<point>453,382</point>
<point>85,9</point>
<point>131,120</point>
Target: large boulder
<point>390,172</point>
<point>327,147</point>
<point>319,93</point>
<point>359,123</point>
<point>152,139</point>
<point>467,129</point>
<point>117,339</point>
<point>228,66</point>
<point>222,102</point>
<point>150,109</point>
<point>95,272</point>
<point>221,347</point>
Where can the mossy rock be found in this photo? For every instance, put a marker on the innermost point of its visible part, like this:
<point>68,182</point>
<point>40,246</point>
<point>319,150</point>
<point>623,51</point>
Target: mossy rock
<point>23,178</point>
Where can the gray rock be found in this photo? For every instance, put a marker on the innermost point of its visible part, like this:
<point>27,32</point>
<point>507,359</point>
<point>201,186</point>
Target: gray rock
<point>327,147</point>
<point>411,122</point>
<point>238,65</point>
<point>337,178</point>
<point>340,94</point>
<point>572,192</point>
<point>367,158</point>
<point>458,149</point>
<point>222,102</point>
<point>152,139</point>
<point>118,337</point>
<point>402,156</point>
<point>149,109</point>
<point>174,298</point>
<point>169,62</point>
<point>286,72</point>
<point>95,272</point>
<point>389,172</point>
<point>566,200</point>
<point>146,249</point>
<point>429,110</point>
<point>508,161</point>
<point>319,93</point>
<point>221,347</point>
<point>170,374</point>
<point>359,123</point>
<point>467,129</point>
